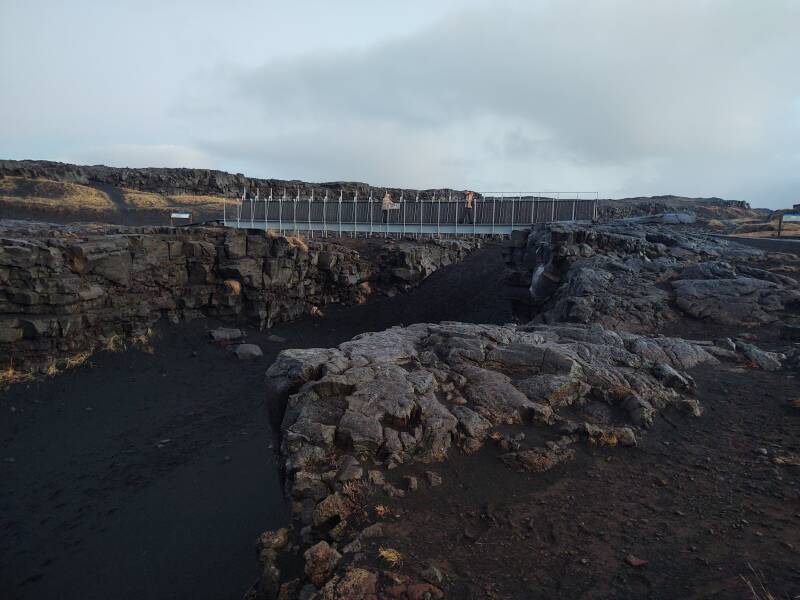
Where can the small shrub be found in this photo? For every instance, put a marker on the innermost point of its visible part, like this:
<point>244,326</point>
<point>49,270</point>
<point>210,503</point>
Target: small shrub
<point>114,343</point>
<point>295,241</point>
<point>10,375</point>
<point>358,492</point>
<point>391,557</point>
<point>78,359</point>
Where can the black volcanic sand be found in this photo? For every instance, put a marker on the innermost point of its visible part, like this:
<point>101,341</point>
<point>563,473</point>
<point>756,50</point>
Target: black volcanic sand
<point>701,500</point>
<point>149,476</point>
<point>98,504</point>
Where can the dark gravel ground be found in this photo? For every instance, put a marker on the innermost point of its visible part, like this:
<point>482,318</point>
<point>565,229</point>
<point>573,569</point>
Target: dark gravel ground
<point>149,475</point>
<point>701,500</point>
<point>704,502</point>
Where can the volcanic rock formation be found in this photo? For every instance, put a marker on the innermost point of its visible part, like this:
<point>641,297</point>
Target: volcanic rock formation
<point>65,290</point>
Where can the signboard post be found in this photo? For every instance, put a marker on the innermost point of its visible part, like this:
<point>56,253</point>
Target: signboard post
<point>789,218</point>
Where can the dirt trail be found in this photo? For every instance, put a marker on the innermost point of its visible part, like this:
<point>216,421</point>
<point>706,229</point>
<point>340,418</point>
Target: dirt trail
<point>148,476</point>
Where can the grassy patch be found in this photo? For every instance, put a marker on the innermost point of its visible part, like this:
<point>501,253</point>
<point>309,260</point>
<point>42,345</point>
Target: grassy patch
<point>143,200</point>
<point>56,196</point>
<point>152,201</point>
<point>391,557</point>
<point>10,376</point>
<point>204,202</point>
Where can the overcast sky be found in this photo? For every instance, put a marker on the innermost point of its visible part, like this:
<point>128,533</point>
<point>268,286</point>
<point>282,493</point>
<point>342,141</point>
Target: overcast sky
<point>623,97</point>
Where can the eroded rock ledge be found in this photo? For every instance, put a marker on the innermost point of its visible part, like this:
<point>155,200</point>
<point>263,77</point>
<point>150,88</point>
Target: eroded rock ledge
<point>412,395</point>
<point>636,277</point>
<point>65,290</point>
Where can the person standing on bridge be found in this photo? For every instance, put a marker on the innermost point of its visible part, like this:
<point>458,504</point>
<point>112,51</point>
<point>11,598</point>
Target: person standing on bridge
<point>386,206</point>
<point>468,215</point>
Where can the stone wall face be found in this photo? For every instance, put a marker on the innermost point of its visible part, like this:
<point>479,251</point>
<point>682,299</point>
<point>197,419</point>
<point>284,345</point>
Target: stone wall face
<point>64,291</point>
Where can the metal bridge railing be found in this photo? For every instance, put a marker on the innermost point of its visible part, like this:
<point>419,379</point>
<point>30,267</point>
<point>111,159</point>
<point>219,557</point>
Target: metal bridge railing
<point>493,213</point>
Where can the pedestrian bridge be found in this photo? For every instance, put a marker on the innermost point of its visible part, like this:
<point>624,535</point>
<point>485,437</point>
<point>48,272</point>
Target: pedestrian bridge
<point>494,213</point>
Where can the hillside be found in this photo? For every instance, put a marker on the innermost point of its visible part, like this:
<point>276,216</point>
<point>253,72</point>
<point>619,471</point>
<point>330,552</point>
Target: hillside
<point>61,192</point>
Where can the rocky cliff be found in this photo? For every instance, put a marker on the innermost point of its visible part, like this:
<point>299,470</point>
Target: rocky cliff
<point>635,277</point>
<point>168,181</point>
<point>67,290</point>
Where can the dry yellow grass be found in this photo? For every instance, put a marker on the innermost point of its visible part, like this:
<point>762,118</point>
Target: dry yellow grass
<point>51,370</point>
<point>296,241</point>
<point>188,200</point>
<point>391,557</point>
<point>152,201</point>
<point>358,492</point>
<point>757,586</point>
<point>77,360</point>
<point>604,439</point>
<point>117,343</point>
<point>144,200</point>
<point>761,229</point>
<point>54,196</point>
<point>113,343</point>
<point>10,375</point>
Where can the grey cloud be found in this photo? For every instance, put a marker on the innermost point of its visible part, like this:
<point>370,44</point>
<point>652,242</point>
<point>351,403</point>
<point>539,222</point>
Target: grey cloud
<point>561,90</point>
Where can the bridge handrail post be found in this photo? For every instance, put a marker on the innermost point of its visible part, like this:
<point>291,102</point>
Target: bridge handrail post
<point>325,215</point>
<point>403,206</point>
<point>574,202</point>
<point>252,212</point>
<point>370,212</point>
<point>294,211</point>
<point>457,203</point>
<point>419,208</point>
<point>438,217</point>
<point>340,213</point>
<point>266,209</point>
<point>494,205</point>
<point>280,211</point>
<point>474,212</point>
<point>239,208</point>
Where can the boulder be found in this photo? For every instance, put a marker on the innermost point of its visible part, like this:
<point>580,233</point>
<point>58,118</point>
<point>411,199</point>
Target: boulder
<point>225,334</point>
<point>320,562</point>
<point>247,351</point>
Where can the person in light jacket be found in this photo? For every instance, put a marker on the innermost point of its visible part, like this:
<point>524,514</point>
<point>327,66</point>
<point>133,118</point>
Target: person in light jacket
<point>386,206</point>
<point>468,216</point>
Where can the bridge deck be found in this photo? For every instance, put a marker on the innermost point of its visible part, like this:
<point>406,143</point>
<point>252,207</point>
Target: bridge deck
<point>491,215</point>
<point>408,228</point>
